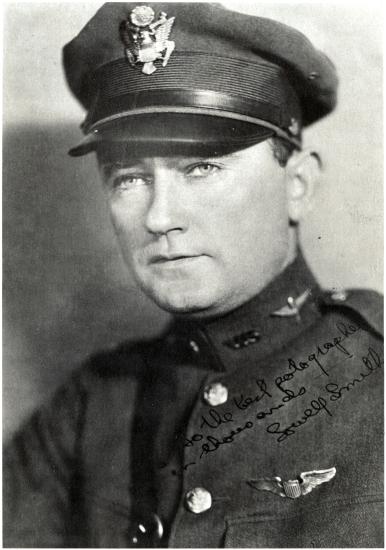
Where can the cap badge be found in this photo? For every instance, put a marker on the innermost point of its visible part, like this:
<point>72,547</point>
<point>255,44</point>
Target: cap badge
<point>293,488</point>
<point>146,40</point>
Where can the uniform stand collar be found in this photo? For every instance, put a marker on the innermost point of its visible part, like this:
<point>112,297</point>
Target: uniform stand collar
<point>280,312</point>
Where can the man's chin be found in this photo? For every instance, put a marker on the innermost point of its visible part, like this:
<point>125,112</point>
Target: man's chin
<point>183,303</point>
<point>183,307</point>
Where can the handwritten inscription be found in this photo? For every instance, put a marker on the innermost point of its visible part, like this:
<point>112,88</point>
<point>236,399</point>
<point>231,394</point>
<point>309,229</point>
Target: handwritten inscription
<point>372,362</point>
<point>214,443</point>
<point>321,350</point>
<point>316,406</point>
<point>268,400</point>
<point>243,403</point>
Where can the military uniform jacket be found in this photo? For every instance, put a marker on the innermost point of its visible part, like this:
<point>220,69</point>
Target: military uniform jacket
<point>260,429</point>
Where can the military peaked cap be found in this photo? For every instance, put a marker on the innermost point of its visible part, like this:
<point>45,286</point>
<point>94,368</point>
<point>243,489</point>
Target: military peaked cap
<point>194,73</point>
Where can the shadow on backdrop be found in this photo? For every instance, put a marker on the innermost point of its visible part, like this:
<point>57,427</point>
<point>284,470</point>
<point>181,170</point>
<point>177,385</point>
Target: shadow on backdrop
<point>66,290</point>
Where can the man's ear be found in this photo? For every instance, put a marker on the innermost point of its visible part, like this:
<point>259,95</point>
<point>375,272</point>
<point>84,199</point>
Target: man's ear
<point>303,171</point>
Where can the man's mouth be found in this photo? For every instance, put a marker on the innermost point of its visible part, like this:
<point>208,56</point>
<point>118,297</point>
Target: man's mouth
<point>175,258</point>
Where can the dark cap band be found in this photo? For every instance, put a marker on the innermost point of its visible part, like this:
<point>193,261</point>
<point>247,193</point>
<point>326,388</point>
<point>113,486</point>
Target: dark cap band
<point>196,80</point>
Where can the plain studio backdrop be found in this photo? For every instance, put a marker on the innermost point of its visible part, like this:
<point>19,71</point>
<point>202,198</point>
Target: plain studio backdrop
<point>66,290</point>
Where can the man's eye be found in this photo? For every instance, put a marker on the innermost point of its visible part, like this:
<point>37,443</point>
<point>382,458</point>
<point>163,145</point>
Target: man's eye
<point>128,181</point>
<point>202,170</point>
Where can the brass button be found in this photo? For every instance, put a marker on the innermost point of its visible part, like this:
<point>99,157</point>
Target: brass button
<point>194,346</point>
<point>198,500</point>
<point>216,394</point>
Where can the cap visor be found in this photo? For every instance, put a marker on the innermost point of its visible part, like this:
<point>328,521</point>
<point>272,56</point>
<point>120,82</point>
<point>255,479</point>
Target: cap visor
<point>173,132</point>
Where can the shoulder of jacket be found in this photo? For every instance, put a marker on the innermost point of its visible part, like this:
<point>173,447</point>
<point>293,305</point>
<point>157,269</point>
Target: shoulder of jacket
<point>363,303</point>
<point>124,360</point>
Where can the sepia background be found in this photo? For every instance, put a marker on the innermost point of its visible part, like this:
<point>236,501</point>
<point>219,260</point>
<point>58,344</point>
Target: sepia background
<point>66,291</point>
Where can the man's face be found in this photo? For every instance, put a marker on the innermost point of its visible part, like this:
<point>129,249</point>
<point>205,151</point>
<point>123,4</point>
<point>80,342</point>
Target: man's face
<point>201,235</point>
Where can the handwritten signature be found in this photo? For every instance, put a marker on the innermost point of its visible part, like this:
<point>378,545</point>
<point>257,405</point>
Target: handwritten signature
<point>316,406</point>
<point>319,405</point>
<point>372,361</point>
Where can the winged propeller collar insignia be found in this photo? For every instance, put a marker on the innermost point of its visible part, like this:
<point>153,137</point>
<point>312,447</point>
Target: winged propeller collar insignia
<point>294,488</point>
<point>293,307</point>
<point>146,40</point>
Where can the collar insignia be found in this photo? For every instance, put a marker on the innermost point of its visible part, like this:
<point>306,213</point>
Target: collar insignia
<point>243,340</point>
<point>293,307</point>
<point>294,488</point>
<point>146,40</point>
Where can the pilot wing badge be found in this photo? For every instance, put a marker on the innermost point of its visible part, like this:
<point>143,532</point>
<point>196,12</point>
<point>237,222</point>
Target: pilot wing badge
<point>147,40</point>
<point>294,488</point>
<point>293,306</point>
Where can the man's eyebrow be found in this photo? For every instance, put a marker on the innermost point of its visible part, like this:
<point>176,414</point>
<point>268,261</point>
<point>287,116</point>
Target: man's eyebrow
<point>228,156</point>
<point>234,156</point>
<point>120,162</point>
<point>108,165</point>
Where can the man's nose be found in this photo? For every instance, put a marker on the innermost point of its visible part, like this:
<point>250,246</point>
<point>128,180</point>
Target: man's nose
<point>165,212</point>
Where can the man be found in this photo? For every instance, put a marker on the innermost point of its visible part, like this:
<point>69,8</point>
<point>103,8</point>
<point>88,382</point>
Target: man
<point>255,420</point>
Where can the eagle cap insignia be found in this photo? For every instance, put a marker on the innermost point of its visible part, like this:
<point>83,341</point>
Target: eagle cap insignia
<point>293,488</point>
<point>146,39</point>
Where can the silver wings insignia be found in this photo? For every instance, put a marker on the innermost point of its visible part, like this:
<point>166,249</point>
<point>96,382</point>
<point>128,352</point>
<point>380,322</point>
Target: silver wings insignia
<point>147,41</point>
<point>313,479</point>
<point>293,488</point>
